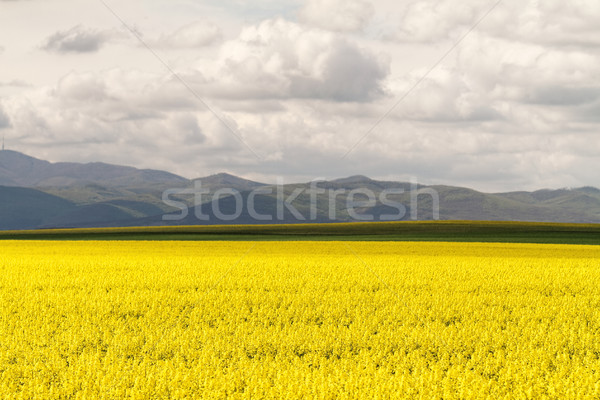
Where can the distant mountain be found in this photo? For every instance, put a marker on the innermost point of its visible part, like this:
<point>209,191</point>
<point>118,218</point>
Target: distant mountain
<point>455,203</point>
<point>223,180</point>
<point>38,194</point>
<point>552,206</point>
<point>17,169</point>
<point>101,214</point>
<point>24,208</point>
<point>352,179</point>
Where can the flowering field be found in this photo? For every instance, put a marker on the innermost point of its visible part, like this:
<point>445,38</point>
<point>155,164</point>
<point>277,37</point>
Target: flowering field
<point>298,320</point>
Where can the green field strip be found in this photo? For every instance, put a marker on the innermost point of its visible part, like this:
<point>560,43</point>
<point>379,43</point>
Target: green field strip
<point>449,231</point>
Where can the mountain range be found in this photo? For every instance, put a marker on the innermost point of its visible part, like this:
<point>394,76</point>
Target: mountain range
<point>38,194</point>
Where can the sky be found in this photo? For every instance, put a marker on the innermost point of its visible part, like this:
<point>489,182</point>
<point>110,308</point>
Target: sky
<point>494,95</point>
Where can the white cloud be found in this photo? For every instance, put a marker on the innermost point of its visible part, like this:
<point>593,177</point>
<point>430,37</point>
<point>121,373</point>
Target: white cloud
<point>194,35</point>
<point>445,96</point>
<point>122,110</point>
<point>337,15</point>
<point>551,82</point>
<point>514,106</point>
<point>429,21</point>
<point>553,23</point>
<point>15,83</point>
<point>281,59</point>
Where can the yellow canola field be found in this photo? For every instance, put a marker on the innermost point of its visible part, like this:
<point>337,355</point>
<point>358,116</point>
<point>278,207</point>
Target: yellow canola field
<point>292,320</point>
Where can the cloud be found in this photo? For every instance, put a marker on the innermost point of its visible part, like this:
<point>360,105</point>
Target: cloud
<point>514,105</point>
<point>188,125</point>
<point>15,83</point>
<point>93,111</point>
<point>196,34</point>
<point>430,21</point>
<point>551,23</point>
<point>4,119</point>
<point>81,89</point>
<point>282,59</point>
<point>337,15</point>
<point>561,24</point>
<point>528,73</point>
<point>444,97</point>
<point>150,120</point>
<point>564,95</point>
<point>590,113</point>
<point>78,39</point>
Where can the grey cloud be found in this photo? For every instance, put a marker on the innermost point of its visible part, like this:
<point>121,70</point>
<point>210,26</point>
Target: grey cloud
<point>480,114</point>
<point>77,40</point>
<point>590,113</point>
<point>564,96</point>
<point>4,119</point>
<point>348,75</point>
<point>188,126</point>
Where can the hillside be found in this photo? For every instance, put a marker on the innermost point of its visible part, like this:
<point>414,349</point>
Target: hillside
<point>574,206</point>
<point>223,180</point>
<point>24,208</point>
<point>39,194</point>
<point>17,169</point>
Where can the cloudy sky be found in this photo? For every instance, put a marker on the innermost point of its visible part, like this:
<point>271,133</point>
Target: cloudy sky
<point>493,95</point>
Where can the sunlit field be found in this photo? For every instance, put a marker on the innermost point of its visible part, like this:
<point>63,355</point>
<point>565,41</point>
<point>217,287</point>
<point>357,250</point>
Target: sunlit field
<point>298,320</point>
